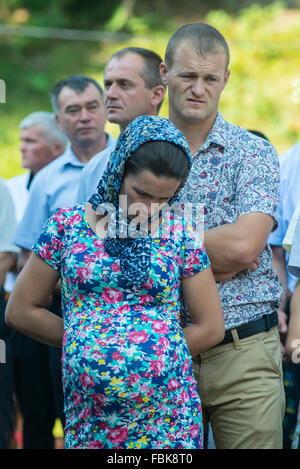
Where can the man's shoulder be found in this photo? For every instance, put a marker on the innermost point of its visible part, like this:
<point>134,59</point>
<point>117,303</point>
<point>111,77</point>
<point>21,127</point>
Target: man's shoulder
<point>246,140</point>
<point>51,169</point>
<point>240,141</point>
<point>291,155</point>
<point>98,159</point>
<point>17,181</point>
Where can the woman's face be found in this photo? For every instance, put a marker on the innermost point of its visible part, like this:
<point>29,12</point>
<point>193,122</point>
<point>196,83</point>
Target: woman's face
<point>144,194</point>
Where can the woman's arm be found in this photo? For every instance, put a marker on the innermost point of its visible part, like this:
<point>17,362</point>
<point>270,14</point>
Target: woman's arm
<point>203,302</point>
<point>25,309</point>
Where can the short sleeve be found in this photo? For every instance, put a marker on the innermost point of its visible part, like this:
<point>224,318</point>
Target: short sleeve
<point>195,256</point>
<point>258,181</point>
<point>35,215</point>
<point>49,245</point>
<point>276,237</point>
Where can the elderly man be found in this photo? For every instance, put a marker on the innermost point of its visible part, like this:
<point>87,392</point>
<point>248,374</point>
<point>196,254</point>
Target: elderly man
<point>235,176</point>
<point>42,141</point>
<point>132,87</point>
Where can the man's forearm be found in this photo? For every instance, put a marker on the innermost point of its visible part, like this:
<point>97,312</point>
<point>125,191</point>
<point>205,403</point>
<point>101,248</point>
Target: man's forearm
<point>237,246</point>
<point>227,250</point>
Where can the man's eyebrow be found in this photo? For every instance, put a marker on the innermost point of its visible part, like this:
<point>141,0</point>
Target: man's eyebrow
<point>94,101</point>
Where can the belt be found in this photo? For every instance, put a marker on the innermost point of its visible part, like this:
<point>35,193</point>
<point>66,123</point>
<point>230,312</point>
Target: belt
<point>265,323</point>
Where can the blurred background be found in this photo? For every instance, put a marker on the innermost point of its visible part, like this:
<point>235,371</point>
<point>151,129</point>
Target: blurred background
<point>43,41</point>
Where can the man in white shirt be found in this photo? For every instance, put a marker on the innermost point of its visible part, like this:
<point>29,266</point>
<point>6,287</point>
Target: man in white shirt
<point>8,254</point>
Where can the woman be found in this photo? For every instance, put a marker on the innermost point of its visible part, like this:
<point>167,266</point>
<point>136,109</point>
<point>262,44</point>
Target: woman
<point>127,372</point>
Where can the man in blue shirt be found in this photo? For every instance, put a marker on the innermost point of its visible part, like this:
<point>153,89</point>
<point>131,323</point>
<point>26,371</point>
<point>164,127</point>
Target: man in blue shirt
<point>132,87</point>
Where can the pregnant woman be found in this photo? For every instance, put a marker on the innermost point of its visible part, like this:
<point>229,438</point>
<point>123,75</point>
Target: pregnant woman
<point>123,261</point>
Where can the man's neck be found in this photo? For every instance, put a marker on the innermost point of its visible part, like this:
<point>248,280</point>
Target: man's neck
<point>195,133</point>
<point>85,152</point>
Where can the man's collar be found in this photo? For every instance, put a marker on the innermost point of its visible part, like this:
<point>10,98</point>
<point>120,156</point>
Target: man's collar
<point>217,134</point>
<point>70,157</point>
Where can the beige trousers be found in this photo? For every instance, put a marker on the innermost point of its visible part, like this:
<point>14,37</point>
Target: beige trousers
<point>242,394</point>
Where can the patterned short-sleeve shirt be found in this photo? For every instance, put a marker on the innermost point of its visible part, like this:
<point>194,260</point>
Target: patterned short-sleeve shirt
<point>235,173</point>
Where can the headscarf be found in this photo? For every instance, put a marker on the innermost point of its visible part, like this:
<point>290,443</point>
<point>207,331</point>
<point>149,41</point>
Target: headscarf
<point>134,253</point>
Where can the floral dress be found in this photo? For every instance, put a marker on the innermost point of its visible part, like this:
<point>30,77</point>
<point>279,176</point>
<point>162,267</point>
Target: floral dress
<point>127,372</point>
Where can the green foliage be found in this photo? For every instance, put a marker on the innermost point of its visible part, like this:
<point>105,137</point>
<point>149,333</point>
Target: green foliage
<point>263,91</point>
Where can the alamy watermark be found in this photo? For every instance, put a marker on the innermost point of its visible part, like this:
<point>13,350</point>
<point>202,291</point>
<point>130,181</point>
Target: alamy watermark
<point>2,91</point>
<point>295,357</point>
<point>138,220</point>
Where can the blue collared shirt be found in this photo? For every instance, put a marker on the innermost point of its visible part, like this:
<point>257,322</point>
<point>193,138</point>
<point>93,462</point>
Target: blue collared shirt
<point>289,197</point>
<point>55,186</point>
<point>92,173</point>
<point>236,173</point>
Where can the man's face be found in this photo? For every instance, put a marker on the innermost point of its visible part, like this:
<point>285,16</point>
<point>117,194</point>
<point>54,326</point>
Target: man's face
<point>82,116</point>
<point>126,96</point>
<point>195,83</point>
<point>36,151</point>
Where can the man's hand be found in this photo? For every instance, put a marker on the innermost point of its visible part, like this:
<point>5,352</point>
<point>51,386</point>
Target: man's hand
<point>223,276</point>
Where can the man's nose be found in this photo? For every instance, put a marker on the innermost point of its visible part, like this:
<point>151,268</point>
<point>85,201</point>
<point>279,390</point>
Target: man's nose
<point>22,147</point>
<point>112,91</point>
<point>198,87</point>
<point>84,114</point>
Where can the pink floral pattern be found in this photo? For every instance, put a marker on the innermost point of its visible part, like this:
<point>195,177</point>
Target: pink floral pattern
<point>127,372</point>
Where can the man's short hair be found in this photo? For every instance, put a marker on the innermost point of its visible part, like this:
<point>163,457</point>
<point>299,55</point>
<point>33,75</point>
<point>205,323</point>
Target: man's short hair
<point>78,83</point>
<point>152,60</point>
<point>205,38</point>
<point>48,125</point>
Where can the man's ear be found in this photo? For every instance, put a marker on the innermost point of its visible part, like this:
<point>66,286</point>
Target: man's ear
<point>164,72</point>
<point>57,149</point>
<point>226,78</point>
<point>57,120</point>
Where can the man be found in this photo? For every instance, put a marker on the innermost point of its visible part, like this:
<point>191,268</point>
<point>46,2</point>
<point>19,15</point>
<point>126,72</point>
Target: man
<point>132,87</point>
<point>78,105</point>
<point>42,141</point>
<point>289,306</point>
<point>79,110</point>
<point>235,176</point>
<point>8,254</point>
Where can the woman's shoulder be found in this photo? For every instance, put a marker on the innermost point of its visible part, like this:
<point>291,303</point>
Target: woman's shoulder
<point>67,217</point>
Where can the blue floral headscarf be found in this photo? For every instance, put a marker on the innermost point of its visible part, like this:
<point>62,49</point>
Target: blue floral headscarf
<point>134,253</point>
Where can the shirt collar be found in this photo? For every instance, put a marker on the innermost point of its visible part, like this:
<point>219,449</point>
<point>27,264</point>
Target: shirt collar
<point>71,159</point>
